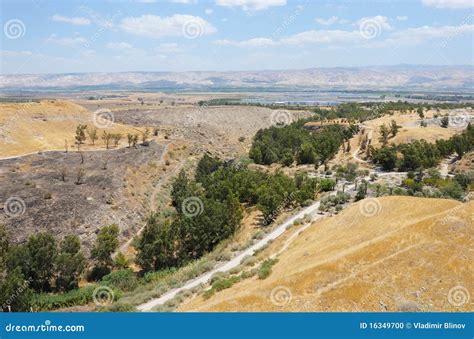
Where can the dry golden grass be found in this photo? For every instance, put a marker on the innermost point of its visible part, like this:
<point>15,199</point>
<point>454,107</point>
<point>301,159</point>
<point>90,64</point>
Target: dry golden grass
<point>409,255</point>
<point>411,132</point>
<point>46,125</point>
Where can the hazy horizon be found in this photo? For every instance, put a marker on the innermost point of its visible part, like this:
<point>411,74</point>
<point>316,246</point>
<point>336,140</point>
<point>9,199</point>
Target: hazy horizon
<point>230,35</point>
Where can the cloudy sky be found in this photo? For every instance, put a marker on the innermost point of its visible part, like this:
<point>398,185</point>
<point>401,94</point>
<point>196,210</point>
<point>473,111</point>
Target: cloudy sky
<point>41,36</point>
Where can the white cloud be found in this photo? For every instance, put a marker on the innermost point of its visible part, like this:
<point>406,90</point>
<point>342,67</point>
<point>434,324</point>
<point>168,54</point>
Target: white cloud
<point>75,41</point>
<point>15,54</point>
<point>402,18</point>
<point>186,2</point>
<point>209,11</point>
<point>342,38</point>
<point>424,33</point>
<point>251,43</point>
<point>379,20</point>
<point>251,5</point>
<point>80,21</point>
<point>119,45</point>
<point>452,4</point>
<point>170,47</point>
<point>153,26</point>
<point>323,36</point>
<point>326,22</point>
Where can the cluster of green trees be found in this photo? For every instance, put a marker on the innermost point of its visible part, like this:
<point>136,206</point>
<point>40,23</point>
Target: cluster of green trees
<point>370,110</point>
<point>286,144</point>
<point>217,191</point>
<point>422,154</point>
<point>430,184</point>
<point>42,265</point>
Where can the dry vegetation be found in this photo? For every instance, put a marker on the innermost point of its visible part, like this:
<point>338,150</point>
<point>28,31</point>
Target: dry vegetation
<point>45,125</point>
<point>357,263</point>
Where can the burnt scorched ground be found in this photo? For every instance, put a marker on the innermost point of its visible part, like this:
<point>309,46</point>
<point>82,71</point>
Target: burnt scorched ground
<point>34,198</point>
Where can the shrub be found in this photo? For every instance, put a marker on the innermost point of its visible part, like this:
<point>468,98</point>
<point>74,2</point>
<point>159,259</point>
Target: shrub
<point>224,256</point>
<point>223,284</point>
<point>218,276</point>
<point>248,260</point>
<point>48,302</point>
<point>259,235</point>
<point>266,268</point>
<point>122,307</point>
<point>124,280</point>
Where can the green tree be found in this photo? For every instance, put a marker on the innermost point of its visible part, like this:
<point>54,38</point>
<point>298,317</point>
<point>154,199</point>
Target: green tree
<point>4,246</point>
<point>384,133</point>
<point>70,264</point>
<point>420,112</point>
<point>386,157</point>
<point>306,154</point>
<point>15,292</point>
<point>105,245</point>
<point>92,132</point>
<point>444,122</point>
<point>81,133</point>
<point>394,128</point>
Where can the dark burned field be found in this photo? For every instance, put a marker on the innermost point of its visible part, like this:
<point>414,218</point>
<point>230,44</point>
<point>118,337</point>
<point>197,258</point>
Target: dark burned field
<point>34,197</point>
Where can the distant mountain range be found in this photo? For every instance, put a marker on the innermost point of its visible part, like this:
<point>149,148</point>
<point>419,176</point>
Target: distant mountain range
<point>401,77</point>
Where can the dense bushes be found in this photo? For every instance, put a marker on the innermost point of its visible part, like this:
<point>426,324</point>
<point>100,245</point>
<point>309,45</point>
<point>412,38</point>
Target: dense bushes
<point>209,210</point>
<point>266,268</point>
<point>421,154</point>
<point>48,302</point>
<point>294,142</point>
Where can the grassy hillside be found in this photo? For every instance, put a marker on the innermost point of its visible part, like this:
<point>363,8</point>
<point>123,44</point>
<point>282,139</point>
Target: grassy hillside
<point>403,253</point>
<point>45,125</point>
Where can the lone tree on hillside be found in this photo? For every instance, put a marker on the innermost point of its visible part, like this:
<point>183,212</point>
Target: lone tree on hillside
<point>420,112</point>
<point>92,132</point>
<point>116,137</point>
<point>394,128</point>
<point>80,175</point>
<point>130,139</point>
<point>384,133</point>
<point>145,135</point>
<point>81,133</point>
<point>444,122</point>
<point>106,137</point>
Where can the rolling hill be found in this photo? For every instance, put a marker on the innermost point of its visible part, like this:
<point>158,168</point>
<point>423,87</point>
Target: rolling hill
<point>402,77</point>
<point>401,254</point>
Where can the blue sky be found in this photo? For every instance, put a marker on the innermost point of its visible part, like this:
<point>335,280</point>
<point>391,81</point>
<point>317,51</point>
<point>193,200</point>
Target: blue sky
<point>183,35</point>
